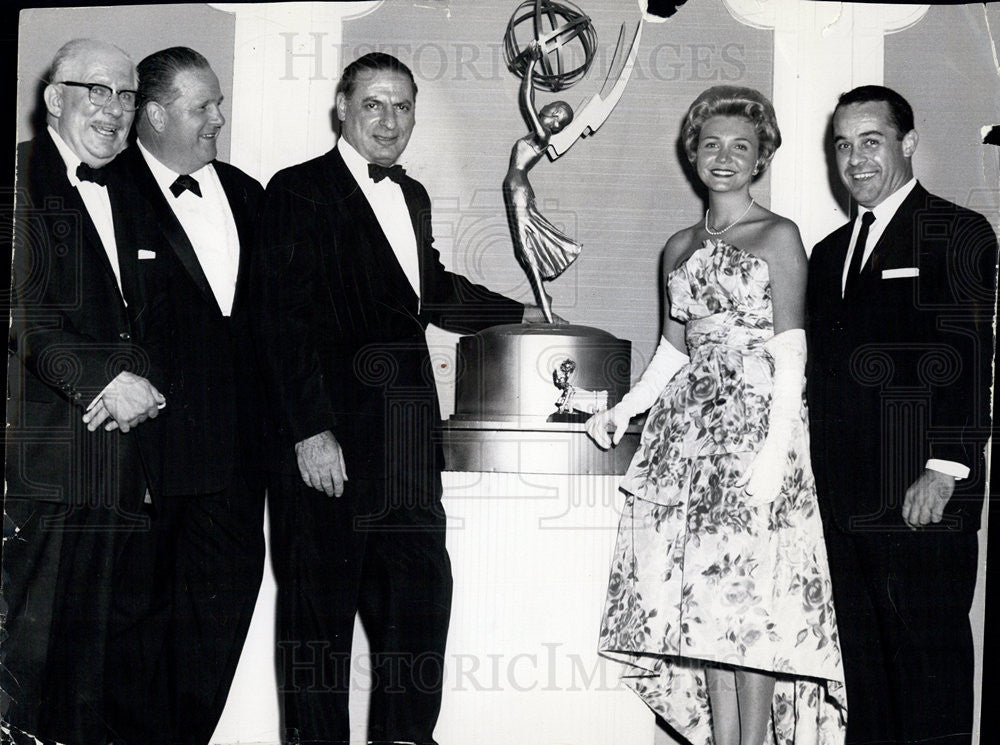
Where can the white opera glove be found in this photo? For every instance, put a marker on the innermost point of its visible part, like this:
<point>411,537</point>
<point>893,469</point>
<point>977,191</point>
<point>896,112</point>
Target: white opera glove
<point>665,363</point>
<point>766,474</point>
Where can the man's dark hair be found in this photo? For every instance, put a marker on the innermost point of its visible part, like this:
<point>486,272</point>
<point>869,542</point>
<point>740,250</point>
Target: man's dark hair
<point>158,71</point>
<point>368,65</point>
<point>900,111</point>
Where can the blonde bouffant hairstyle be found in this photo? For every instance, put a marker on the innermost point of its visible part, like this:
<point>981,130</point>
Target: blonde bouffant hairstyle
<point>732,100</point>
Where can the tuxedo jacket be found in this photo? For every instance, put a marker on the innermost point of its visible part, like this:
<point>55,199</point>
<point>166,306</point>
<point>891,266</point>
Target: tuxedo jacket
<point>71,333</point>
<point>214,415</point>
<point>899,368</point>
<point>342,329</point>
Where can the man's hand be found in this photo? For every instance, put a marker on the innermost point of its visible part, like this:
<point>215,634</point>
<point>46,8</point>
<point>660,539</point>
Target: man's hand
<point>96,413</point>
<point>321,463</point>
<point>926,498</point>
<point>128,400</point>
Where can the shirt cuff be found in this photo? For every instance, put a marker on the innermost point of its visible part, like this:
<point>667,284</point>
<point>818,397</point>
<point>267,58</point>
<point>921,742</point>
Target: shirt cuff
<point>949,467</point>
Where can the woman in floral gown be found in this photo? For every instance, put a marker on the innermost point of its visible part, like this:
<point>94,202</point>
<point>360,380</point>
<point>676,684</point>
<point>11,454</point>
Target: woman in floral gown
<point>719,600</point>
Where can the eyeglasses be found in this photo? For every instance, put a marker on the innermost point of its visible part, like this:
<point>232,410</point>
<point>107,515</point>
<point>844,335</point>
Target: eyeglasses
<point>100,95</point>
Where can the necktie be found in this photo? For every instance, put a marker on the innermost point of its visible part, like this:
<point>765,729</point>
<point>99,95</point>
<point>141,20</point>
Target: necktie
<point>98,176</point>
<point>185,183</point>
<point>377,172</point>
<point>859,251</point>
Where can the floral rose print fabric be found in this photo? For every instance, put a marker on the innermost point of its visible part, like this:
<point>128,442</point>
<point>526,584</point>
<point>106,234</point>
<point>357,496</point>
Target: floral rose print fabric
<point>699,576</point>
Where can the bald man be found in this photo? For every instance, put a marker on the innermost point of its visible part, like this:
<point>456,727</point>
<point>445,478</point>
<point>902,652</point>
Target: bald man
<point>86,292</point>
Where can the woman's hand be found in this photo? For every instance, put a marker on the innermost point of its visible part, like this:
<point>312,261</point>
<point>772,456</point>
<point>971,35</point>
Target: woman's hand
<point>601,425</point>
<point>763,479</point>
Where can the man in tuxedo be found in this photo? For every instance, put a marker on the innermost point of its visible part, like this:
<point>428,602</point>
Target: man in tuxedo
<point>87,295</point>
<point>900,304</point>
<point>349,281</point>
<point>210,508</point>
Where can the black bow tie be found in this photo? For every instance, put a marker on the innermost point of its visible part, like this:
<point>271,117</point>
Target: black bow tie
<point>376,172</point>
<point>185,183</point>
<point>98,176</point>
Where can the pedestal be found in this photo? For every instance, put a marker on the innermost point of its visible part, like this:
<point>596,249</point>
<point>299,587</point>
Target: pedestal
<point>510,382</point>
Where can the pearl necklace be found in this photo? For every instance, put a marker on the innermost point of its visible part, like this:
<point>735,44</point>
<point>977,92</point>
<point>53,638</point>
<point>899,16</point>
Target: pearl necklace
<point>731,225</point>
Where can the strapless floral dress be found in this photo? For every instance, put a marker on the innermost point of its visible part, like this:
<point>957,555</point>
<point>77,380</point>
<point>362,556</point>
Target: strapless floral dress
<point>700,577</point>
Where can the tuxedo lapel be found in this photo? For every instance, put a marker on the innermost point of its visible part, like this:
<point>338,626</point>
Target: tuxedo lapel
<point>379,259</point>
<point>170,225</point>
<point>92,239</point>
<point>833,271</point>
<point>893,246</point>
<point>239,206</point>
<point>838,259</point>
<point>419,216</point>
<point>52,162</point>
<point>127,256</point>
<point>896,238</point>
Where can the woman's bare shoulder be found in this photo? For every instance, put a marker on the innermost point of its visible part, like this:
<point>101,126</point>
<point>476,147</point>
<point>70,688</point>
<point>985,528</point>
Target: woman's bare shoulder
<point>679,246</point>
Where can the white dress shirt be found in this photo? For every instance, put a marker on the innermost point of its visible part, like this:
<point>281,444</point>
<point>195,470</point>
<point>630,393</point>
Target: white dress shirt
<point>208,223</point>
<point>98,204</point>
<point>884,212</point>
<point>95,199</point>
<point>389,206</point>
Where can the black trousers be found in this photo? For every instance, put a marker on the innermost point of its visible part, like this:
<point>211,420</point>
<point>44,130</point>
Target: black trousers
<point>65,605</point>
<point>363,553</point>
<point>903,600</point>
<point>203,574</point>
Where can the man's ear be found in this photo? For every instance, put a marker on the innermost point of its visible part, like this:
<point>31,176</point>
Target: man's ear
<point>910,140</point>
<point>341,106</point>
<point>52,95</point>
<point>156,115</point>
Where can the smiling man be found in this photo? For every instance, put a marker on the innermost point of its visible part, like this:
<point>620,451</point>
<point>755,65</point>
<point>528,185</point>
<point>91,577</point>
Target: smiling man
<point>349,281</point>
<point>900,305</point>
<point>86,297</point>
<point>210,506</point>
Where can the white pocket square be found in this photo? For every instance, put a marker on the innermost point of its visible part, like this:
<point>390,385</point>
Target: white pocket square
<point>146,254</point>
<point>905,271</point>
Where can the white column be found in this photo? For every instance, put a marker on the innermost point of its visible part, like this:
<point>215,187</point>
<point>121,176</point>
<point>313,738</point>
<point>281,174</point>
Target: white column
<point>821,49</point>
<point>530,555</point>
<point>286,65</point>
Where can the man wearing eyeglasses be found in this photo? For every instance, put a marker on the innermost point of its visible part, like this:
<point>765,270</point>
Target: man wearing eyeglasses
<point>86,295</point>
<point>209,531</point>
